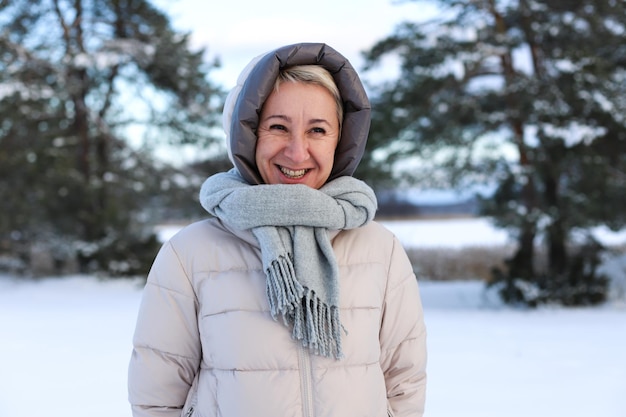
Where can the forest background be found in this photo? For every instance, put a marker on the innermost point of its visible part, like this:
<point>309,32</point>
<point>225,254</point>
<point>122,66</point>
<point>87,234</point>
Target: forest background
<point>525,99</point>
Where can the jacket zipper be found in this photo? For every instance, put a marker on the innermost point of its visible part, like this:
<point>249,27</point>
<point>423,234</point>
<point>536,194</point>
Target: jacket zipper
<point>306,381</point>
<point>192,397</point>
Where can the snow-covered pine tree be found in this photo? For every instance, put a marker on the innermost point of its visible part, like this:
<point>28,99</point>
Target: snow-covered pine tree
<point>528,95</point>
<point>80,82</point>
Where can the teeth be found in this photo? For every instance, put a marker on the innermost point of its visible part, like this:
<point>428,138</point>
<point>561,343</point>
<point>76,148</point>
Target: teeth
<point>293,174</point>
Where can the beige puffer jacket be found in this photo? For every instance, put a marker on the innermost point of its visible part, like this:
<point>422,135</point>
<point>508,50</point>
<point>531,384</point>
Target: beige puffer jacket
<point>211,348</point>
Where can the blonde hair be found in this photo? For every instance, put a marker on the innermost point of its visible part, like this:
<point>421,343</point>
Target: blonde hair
<point>312,74</point>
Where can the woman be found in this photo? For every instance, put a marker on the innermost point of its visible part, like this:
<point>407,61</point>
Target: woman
<point>289,300</point>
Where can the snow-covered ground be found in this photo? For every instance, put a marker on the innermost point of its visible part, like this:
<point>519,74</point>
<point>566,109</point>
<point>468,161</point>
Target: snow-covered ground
<point>65,345</point>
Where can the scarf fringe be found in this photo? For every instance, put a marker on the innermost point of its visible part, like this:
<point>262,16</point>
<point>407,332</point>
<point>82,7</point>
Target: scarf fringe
<point>313,322</point>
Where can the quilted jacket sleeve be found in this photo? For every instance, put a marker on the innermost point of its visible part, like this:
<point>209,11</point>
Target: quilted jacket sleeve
<point>403,339</point>
<point>166,345</point>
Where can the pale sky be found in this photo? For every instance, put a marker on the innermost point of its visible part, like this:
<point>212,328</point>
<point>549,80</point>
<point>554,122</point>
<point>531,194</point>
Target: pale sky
<point>239,30</point>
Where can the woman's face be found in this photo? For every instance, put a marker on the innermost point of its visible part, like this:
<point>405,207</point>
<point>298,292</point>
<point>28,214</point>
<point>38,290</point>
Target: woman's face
<point>297,136</point>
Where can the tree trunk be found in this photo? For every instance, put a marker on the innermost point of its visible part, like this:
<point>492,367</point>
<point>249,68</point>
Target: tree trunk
<point>523,260</point>
<point>556,234</point>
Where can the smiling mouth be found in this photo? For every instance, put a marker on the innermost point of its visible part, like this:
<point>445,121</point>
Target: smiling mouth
<point>293,174</point>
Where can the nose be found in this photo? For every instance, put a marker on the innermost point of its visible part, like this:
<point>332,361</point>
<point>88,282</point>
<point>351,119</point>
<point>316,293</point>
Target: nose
<point>297,148</point>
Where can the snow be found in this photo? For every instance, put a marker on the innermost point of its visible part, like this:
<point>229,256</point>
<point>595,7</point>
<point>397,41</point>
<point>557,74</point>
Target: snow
<point>66,344</point>
<point>453,233</point>
<point>475,231</point>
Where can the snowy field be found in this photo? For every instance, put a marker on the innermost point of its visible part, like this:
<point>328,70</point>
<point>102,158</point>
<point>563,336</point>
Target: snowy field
<point>65,345</point>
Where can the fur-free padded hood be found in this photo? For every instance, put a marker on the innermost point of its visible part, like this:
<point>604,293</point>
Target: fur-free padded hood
<point>244,103</point>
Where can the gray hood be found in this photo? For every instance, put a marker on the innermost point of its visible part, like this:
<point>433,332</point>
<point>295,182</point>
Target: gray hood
<point>243,106</point>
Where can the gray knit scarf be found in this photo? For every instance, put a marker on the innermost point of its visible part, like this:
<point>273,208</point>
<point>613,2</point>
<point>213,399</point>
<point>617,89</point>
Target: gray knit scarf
<point>291,224</point>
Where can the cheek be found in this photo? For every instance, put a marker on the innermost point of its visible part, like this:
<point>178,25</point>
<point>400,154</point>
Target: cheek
<point>263,151</point>
<point>329,154</point>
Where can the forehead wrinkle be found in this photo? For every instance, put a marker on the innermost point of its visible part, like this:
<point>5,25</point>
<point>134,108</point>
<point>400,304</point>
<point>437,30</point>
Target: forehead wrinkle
<point>314,121</point>
<point>278,116</point>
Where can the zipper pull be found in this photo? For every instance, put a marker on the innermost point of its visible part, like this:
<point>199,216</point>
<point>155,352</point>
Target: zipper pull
<point>189,412</point>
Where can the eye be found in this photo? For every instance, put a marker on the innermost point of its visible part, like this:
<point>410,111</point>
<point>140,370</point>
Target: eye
<point>318,130</point>
<point>278,127</point>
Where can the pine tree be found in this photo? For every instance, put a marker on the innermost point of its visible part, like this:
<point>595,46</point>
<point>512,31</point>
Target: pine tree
<point>542,79</point>
<point>78,80</point>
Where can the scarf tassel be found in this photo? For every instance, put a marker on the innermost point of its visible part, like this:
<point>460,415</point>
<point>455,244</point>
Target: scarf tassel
<point>314,323</point>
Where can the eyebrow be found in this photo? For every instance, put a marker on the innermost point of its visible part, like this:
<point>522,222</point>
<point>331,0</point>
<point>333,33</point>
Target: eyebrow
<point>288,119</point>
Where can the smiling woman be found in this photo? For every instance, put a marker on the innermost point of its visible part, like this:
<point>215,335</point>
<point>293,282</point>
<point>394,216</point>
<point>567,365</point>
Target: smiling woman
<point>290,291</point>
